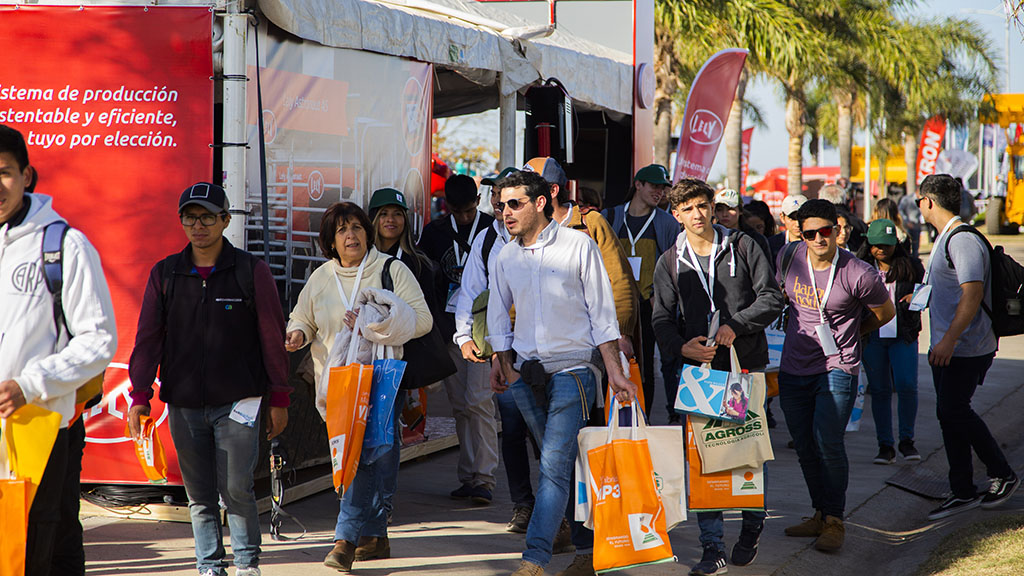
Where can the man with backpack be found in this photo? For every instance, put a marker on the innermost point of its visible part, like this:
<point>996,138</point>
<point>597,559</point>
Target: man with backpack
<point>958,290</point>
<point>53,339</point>
<point>211,320</point>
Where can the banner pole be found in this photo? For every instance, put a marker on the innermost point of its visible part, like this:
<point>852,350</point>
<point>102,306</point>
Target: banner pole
<point>234,92</point>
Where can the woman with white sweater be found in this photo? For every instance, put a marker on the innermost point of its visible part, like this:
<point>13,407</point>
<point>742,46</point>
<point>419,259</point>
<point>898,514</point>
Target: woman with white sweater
<point>326,308</point>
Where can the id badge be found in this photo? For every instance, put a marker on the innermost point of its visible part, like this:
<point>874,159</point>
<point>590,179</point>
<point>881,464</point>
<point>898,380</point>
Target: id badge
<point>634,263</point>
<point>922,296</point>
<point>828,342</point>
<point>453,298</point>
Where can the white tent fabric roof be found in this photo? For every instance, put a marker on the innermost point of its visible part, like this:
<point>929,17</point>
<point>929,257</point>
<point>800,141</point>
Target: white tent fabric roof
<point>464,36</point>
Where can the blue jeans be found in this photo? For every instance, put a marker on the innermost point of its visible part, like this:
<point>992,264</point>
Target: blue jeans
<point>515,451</point>
<point>218,456</point>
<point>363,511</point>
<point>817,409</point>
<point>891,363</point>
<point>712,527</point>
<point>570,398</point>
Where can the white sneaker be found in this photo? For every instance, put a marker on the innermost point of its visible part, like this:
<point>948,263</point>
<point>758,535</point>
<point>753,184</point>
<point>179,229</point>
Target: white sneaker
<point>253,571</point>
<point>208,572</point>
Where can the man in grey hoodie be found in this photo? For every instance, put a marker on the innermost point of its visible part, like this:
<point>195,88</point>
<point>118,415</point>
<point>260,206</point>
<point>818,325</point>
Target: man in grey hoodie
<point>713,268</point>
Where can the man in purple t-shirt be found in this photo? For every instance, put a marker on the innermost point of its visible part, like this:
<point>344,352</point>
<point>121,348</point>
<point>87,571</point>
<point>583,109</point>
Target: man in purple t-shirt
<point>829,290</point>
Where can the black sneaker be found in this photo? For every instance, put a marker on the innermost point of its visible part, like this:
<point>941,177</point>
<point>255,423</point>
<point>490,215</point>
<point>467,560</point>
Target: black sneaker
<point>745,549</point>
<point>711,563</point>
<point>480,495</point>
<point>908,450</point>
<point>520,519</point>
<point>1000,491</point>
<point>886,455</point>
<point>462,492</point>
<point>954,505</point>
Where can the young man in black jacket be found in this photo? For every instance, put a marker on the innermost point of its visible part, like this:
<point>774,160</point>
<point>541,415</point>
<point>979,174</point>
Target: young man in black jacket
<point>713,268</point>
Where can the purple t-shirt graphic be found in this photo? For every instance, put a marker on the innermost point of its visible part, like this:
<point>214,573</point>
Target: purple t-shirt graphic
<point>857,287</point>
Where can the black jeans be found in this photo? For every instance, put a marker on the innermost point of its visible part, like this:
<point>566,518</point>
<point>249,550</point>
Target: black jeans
<point>962,428</point>
<point>69,552</point>
<point>44,516</point>
<point>645,355</point>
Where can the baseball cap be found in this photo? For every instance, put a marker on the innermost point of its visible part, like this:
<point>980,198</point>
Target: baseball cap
<point>386,197</point>
<point>882,231</point>
<point>729,197</point>
<point>549,169</point>
<point>209,196</point>
<point>792,203</point>
<point>491,180</point>
<point>655,174</point>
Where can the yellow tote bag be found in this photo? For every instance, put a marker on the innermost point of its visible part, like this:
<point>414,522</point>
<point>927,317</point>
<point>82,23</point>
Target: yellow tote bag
<point>30,433</point>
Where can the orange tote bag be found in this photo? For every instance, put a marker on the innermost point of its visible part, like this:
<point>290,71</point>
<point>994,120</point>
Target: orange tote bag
<point>348,403</point>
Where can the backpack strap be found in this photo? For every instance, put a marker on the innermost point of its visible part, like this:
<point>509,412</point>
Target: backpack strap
<point>53,269</point>
<point>788,254</point>
<point>491,236</point>
<point>617,218</point>
<point>245,277</point>
<point>167,282</point>
<point>386,281</point>
<point>582,226</point>
<point>949,261</point>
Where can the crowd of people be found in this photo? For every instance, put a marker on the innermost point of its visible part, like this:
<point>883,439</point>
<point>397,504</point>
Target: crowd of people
<point>538,308</point>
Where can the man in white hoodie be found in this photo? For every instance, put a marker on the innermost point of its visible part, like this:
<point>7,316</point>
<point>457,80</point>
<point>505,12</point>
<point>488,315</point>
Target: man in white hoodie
<point>38,364</point>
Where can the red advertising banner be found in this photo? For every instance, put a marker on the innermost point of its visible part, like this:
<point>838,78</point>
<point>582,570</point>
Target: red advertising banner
<point>745,156</point>
<point>707,106</point>
<point>931,144</point>
<point>117,108</point>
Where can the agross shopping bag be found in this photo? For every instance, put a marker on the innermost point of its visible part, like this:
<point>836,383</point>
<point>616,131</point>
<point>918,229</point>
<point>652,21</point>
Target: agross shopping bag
<point>629,518</point>
<point>348,404</point>
<point>737,489</point>
<point>380,422</point>
<point>665,444</point>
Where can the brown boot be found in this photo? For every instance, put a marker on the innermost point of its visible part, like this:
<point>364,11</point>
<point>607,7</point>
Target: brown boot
<point>832,535</point>
<point>582,565</point>
<point>810,527</point>
<point>373,548</point>
<point>563,540</point>
<point>528,569</point>
<point>341,556</point>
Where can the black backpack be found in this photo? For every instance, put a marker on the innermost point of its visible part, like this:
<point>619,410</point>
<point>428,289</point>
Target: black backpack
<point>1007,286</point>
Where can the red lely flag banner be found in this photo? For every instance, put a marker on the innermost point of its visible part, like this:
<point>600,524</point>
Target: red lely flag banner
<point>708,103</point>
<point>931,144</point>
<point>745,156</point>
<point>116,104</point>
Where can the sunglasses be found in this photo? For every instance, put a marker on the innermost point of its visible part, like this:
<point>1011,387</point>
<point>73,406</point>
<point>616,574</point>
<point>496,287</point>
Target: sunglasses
<point>514,203</point>
<point>920,199</point>
<point>825,231</point>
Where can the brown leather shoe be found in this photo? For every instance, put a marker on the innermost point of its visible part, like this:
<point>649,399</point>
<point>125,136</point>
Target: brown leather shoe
<point>582,565</point>
<point>810,527</point>
<point>373,548</point>
<point>341,556</point>
<point>528,569</point>
<point>563,539</point>
<point>832,535</point>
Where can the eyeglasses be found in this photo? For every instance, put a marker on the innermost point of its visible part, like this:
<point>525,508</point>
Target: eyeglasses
<point>207,219</point>
<point>515,204</point>
<point>825,231</point>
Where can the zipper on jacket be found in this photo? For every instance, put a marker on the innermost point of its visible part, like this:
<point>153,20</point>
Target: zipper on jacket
<point>202,361</point>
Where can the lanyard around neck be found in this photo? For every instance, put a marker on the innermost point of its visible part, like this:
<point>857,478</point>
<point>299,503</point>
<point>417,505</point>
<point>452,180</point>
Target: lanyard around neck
<point>707,284</point>
<point>633,240</point>
<point>399,253</point>
<point>828,288</point>
<point>461,259</point>
<point>355,286</point>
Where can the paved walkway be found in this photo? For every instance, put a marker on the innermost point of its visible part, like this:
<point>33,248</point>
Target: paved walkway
<point>887,528</point>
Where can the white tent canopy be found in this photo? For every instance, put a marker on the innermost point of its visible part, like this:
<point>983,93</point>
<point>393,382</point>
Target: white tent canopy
<point>465,37</point>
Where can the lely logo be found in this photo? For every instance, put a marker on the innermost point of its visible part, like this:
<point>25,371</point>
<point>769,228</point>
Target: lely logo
<point>705,127</point>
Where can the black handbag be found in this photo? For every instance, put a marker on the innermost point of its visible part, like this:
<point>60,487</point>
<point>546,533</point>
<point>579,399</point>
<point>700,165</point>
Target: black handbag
<point>427,360</point>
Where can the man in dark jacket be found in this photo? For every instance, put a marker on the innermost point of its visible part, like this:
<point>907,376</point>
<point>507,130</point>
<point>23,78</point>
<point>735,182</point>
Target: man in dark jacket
<point>713,268</point>
<point>212,321</point>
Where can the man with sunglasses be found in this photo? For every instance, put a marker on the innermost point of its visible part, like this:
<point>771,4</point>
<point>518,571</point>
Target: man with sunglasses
<point>835,298</point>
<point>565,330</point>
<point>959,279</point>
<point>714,268</point>
<point>212,322</point>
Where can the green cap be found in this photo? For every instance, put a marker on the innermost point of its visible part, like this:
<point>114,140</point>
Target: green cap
<point>386,197</point>
<point>882,232</point>
<point>491,180</point>
<point>655,174</point>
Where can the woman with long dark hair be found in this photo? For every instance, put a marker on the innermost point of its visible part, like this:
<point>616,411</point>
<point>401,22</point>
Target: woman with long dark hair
<point>890,353</point>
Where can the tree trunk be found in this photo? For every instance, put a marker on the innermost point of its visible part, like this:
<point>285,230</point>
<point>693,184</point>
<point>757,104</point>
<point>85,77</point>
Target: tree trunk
<point>910,144</point>
<point>844,107</point>
<point>795,124</point>
<point>812,148</point>
<point>734,136</point>
<point>663,131</point>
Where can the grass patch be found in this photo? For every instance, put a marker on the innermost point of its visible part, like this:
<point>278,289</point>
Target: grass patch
<point>993,548</point>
